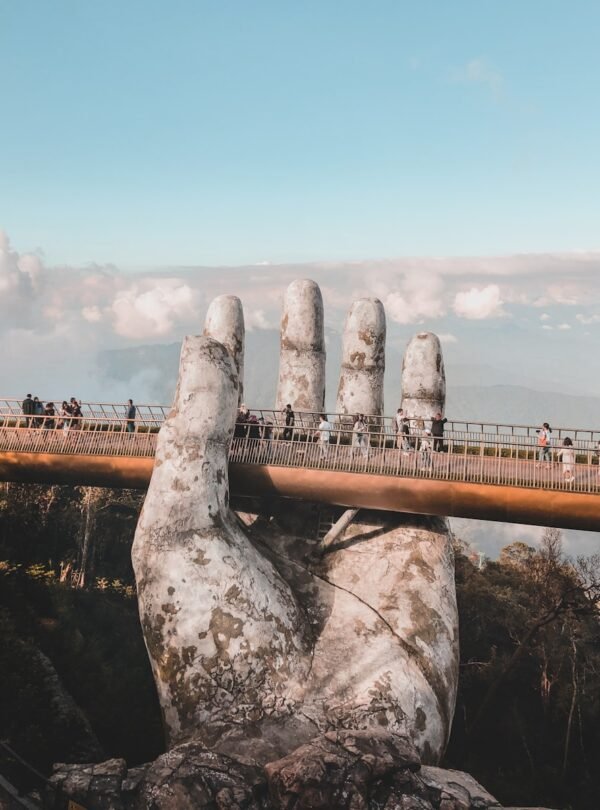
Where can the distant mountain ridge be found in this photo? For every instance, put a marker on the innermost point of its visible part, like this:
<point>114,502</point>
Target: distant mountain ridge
<point>151,373</point>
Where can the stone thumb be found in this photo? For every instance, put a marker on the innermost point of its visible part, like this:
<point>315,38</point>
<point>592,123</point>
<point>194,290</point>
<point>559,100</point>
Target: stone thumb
<point>192,446</point>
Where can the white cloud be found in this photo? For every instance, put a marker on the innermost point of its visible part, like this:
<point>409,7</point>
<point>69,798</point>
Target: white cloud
<point>257,319</point>
<point>419,297</point>
<point>564,326</point>
<point>479,303</point>
<point>92,314</point>
<point>478,72</point>
<point>547,327</point>
<point>587,319</point>
<point>141,313</point>
<point>545,317</point>
<point>447,338</point>
<point>564,294</point>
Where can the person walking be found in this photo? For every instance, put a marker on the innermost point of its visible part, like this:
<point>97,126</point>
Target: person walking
<point>38,410</point>
<point>290,420</point>
<point>64,414</point>
<point>360,436</point>
<point>544,442</point>
<point>567,455</point>
<point>49,414</point>
<point>76,413</point>
<point>325,428</point>
<point>27,408</point>
<point>425,449</point>
<point>437,431</point>
<point>130,413</point>
<point>405,431</point>
<point>398,422</point>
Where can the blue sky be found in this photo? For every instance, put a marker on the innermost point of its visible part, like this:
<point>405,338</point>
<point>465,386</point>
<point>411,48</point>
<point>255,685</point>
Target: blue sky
<point>204,133</point>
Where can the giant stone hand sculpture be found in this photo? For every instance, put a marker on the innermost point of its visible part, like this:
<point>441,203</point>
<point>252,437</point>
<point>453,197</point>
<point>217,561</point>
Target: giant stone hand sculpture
<point>258,641</point>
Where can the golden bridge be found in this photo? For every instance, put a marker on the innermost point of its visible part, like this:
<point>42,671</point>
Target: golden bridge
<point>484,471</point>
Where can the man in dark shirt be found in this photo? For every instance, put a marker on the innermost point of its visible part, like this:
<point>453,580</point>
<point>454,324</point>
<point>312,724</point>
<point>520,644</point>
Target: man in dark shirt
<point>131,412</point>
<point>437,431</point>
<point>290,419</point>
<point>27,409</point>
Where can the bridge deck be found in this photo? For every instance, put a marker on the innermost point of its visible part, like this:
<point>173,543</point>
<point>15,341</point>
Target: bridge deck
<point>479,475</point>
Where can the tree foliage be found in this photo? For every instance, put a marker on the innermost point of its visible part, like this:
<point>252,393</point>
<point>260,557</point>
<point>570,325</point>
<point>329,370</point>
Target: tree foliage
<point>529,688</point>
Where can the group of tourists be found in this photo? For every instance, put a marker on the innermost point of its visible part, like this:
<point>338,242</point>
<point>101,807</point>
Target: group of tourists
<point>68,416</point>
<point>49,416</point>
<point>566,453</point>
<point>413,435</point>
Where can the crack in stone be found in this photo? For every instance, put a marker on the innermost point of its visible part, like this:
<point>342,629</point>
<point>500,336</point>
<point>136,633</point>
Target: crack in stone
<point>408,648</point>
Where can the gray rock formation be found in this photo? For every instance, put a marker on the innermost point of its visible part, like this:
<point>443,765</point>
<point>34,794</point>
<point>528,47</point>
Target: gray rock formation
<point>363,359</point>
<point>258,641</point>
<point>339,770</point>
<point>225,322</point>
<point>302,353</point>
<point>423,377</point>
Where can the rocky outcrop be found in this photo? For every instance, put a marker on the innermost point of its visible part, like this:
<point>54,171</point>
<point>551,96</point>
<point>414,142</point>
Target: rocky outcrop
<point>339,770</point>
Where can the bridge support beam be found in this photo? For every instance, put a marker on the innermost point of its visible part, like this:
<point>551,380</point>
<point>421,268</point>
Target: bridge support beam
<point>338,528</point>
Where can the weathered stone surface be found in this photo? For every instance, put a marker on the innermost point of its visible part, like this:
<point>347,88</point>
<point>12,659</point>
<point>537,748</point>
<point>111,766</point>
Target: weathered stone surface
<point>258,641</point>
<point>342,769</point>
<point>455,790</point>
<point>360,388</point>
<point>224,632</point>
<point>192,777</point>
<point>225,323</point>
<point>97,786</point>
<point>338,770</point>
<point>391,640</point>
<point>302,353</point>
<point>423,377</point>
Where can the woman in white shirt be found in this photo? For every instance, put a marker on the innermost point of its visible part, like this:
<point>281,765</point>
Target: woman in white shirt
<point>359,436</point>
<point>566,454</point>
<point>325,429</point>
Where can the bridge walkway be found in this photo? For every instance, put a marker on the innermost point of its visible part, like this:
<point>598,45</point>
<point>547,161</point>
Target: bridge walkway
<point>486,474</point>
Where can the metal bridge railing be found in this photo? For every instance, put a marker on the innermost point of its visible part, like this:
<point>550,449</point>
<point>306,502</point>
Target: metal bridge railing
<point>506,455</point>
<point>77,435</point>
<point>497,462</point>
<point>148,417</point>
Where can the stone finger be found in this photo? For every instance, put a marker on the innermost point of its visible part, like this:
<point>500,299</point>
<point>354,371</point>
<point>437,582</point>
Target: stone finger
<point>225,322</point>
<point>302,353</point>
<point>362,371</point>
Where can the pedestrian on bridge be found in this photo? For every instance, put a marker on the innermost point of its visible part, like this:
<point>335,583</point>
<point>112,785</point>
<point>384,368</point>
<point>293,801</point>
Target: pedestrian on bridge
<point>325,428</point>
<point>130,413</point>
<point>567,455</point>
<point>399,421</point>
<point>360,436</point>
<point>437,431</point>
<point>49,414</point>
<point>76,413</point>
<point>65,414</point>
<point>425,449</point>
<point>38,410</point>
<point>27,409</point>
<point>290,419</point>
<point>405,433</point>
<point>544,442</point>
